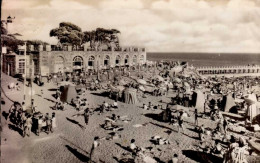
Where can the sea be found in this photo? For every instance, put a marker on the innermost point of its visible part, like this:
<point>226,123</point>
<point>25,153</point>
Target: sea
<point>208,59</point>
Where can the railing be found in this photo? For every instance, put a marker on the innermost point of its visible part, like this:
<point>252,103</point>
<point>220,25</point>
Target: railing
<point>229,69</point>
<point>71,48</point>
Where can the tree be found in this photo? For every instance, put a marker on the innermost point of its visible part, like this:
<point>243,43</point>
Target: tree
<point>68,34</point>
<point>102,36</point>
<point>36,42</point>
<point>9,40</point>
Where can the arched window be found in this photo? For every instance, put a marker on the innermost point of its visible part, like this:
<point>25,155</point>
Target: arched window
<point>106,60</point>
<point>91,60</point>
<point>59,60</point>
<point>118,59</point>
<point>126,59</point>
<point>58,64</point>
<point>77,63</point>
<point>135,59</point>
<point>142,59</point>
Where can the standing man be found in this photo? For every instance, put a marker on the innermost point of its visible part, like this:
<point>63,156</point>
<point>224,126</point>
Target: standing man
<point>180,122</point>
<point>196,117</point>
<point>48,123</point>
<point>28,126</point>
<point>95,144</point>
<point>86,115</point>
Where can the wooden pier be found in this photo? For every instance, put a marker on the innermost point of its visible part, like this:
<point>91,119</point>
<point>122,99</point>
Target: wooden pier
<point>245,70</point>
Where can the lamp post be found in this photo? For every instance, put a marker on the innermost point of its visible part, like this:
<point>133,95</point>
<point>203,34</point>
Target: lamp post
<point>9,19</point>
<point>25,71</point>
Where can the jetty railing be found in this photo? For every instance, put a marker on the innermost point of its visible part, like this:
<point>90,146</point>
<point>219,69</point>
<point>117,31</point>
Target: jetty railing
<point>228,70</point>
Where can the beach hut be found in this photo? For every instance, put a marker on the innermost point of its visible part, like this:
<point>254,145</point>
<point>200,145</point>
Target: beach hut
<point>130,96</point>
<point>175,70</point>
<point>200,100</point>
<point>253,110</point>
<point>68,92</point>
<point>228,102</point>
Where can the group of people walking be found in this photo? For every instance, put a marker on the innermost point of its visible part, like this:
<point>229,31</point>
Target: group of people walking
<point>28,122</point>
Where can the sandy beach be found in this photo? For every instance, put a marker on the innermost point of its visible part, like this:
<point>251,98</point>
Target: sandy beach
<point>71,142</point>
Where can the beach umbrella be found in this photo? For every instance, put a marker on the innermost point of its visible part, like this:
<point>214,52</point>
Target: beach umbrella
<point>141,81</point>
<point>178,80</point>
<point>141,88</point>
<point>188,92</point>
<point>250,99</point>
<point>122,82</point>
<point>65,83</point>
<point>159,78</point>
<point>238,100</point>
<point>120,88</point>
<point>186,84</point>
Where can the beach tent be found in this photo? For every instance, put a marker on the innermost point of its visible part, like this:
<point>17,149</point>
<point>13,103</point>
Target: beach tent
<point>250,99</point>
<point>130,96</point>
<point>68,92</point>
<point>122,82</point>
<point>141,81</point>
<point>256,89</point>
<point>228,102</point>
<point>252,112</point>
<point>175,70</point>
<point>149,89</point>
<point>180,108</point>
<point>253,107</point>
<point>200,100</point>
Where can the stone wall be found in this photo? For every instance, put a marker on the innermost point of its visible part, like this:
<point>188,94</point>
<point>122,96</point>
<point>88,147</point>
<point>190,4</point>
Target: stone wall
<point>51,61</point>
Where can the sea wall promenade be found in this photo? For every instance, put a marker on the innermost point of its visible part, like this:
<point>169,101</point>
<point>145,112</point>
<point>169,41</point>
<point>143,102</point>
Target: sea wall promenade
<point>230,70</point>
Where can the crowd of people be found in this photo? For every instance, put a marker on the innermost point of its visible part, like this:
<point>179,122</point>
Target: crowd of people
<point>218,140</point>
<point>28,122</point>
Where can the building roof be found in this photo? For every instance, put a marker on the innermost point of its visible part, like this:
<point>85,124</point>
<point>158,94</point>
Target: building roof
<point>11,54</point>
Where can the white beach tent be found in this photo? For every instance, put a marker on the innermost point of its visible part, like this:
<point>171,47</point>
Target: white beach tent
<point>200,100</point>
<point>253,110</point>
<point>229,102</point>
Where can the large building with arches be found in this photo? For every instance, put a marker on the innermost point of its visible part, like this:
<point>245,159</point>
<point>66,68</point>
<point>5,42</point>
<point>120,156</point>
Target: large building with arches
<point>53,60</point>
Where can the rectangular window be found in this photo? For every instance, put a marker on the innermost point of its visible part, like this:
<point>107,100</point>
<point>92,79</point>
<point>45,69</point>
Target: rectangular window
<point>90,63</point>
<point>21,67</point>
<point>105,62</point>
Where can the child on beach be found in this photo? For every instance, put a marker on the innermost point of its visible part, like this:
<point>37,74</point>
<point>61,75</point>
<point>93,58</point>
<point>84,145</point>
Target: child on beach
<point>145,107</point>
<point>95,144</point>
<point>175,158</point>
<point>196,117</point>
<point>180,122</point>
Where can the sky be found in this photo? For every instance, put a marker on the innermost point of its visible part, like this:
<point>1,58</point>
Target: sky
<point>158,25</point>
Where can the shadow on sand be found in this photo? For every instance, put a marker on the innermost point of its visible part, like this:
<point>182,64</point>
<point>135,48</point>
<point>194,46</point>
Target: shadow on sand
<point>201,156</point>
<point>153,116</point>
<point>102,94</point>
<point>14,128</point>
<point>79,155</point>
<point>125,148</point>
<point>75,122</point>
<point>52,89</point>
<point>5,115</point>
<point>165,127</point>
<point>50,100</point>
